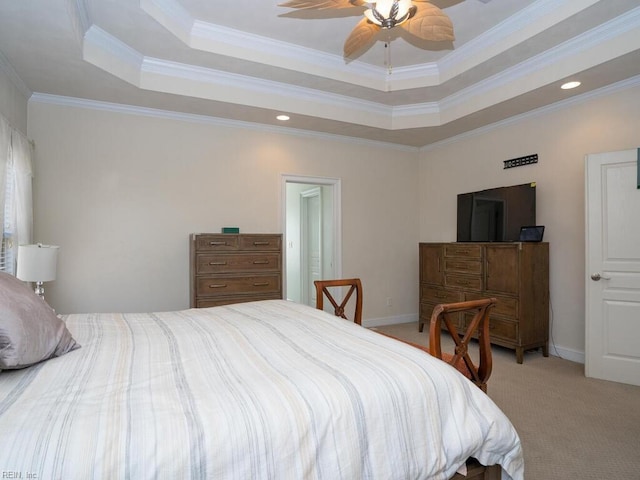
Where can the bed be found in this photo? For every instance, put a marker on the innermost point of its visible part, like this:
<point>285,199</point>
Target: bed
<point>260,390</point>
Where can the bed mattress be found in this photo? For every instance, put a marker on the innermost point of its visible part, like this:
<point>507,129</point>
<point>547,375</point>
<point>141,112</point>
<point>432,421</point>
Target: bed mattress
<point>261,390</point>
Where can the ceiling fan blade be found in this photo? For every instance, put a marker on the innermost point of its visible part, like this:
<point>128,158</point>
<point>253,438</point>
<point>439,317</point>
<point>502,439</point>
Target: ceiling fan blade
<point>322,4</point>
<point>360,36</point>
<point>430,23</point>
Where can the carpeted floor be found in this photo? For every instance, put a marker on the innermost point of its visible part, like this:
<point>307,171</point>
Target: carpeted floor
<point>571,427</point>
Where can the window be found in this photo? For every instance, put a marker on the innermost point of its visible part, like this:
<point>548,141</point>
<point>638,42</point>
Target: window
<point>16,215</point>
<point>7,254</point>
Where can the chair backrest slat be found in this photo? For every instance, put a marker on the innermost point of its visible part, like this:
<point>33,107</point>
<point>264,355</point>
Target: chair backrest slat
<point>478,326</point>
<point>322,290</point>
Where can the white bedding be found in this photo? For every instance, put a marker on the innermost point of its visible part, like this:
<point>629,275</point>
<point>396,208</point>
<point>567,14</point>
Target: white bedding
<point>263,390</point>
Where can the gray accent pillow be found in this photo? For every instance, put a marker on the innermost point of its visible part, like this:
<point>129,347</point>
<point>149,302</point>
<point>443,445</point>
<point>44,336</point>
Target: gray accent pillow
<point>30,331</point>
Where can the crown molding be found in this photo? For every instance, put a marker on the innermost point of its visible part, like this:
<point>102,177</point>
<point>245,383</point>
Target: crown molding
<point>582,52</point>
<point>605,42</point>
<point>220,122</point>
<point>115,57</point>
<point>13,77</point>
<point>528,22</point>
<point>208,120</point>
<point>633,82</point>
<point>79,17</point>
<point>220,40</point>
<point>171,15</point>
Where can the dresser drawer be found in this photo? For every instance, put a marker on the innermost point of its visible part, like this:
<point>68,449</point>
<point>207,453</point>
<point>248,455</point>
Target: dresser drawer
<point>220,242</point>
<point>463,281</point>
<point>458,265</point>
<point>439,295</point>
<point>505,306</point>
<point>237,262</point>
<point>270,243</point>
<point>498,328</point>
<point>228,285</point>
<point>503,329</point>
<point>463,250</point>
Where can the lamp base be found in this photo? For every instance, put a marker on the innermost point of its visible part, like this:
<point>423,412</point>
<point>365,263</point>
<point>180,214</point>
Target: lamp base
<point>39,290</point>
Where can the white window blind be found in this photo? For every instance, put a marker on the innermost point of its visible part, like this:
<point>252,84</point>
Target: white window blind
<point>7,253</point>
<point>16,215</point>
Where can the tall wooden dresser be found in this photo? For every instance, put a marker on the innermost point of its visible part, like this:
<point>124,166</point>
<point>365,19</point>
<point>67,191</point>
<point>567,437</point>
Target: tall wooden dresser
<point>234,268</point>
<point>516,274</point>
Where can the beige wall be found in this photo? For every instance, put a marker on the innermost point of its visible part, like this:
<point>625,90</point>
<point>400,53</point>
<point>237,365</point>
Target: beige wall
<point>561,137</point>
<point>120,193</point>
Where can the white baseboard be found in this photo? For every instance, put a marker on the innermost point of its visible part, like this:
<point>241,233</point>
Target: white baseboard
<point>378,322</point>
<point>555,350</point>
<point>566,353</point>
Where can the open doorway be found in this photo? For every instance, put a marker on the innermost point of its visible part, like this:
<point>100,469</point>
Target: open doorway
<point>311,218</point>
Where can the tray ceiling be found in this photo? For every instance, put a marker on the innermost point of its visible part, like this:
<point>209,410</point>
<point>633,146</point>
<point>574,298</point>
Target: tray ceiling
<point>250,60</point>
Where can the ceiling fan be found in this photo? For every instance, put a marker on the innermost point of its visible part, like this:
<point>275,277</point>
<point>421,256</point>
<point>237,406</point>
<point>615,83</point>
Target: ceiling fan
<point>418,17</point>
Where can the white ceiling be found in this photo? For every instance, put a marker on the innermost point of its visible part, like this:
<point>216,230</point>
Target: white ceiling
<point>249,60</point>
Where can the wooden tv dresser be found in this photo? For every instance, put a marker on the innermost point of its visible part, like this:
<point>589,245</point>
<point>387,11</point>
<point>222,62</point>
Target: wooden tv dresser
<point>516,274</point>
<point>234,268</point>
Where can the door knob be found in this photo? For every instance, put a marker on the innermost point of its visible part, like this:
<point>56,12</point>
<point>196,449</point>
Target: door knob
<point>596,277</point>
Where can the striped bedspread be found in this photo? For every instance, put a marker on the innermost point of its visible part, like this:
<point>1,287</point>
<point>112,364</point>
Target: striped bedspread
<point>263,390</point>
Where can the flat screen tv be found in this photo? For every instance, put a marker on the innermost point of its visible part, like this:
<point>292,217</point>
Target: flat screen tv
<point>497,214</point>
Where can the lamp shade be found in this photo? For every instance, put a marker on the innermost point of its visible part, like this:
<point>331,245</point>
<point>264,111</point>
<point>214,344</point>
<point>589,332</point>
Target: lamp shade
<point>37,263</point>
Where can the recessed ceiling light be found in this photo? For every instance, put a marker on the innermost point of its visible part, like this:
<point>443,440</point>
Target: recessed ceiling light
<point>283,118</point>
<point>570,85</point>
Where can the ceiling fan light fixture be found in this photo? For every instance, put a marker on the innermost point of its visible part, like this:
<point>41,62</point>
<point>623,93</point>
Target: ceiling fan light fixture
<point>389,13</point>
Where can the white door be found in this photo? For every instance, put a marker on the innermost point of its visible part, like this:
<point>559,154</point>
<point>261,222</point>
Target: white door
<point>311,243</point>
<point>612,341</point>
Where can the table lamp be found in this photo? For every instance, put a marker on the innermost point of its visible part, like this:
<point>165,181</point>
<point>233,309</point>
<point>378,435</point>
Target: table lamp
<point>37,263</point>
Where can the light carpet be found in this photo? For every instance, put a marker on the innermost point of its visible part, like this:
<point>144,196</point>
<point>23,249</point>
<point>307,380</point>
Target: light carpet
<point>571,427</point>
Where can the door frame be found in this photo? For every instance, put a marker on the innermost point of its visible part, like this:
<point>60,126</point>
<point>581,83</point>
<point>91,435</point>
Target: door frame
<point>313,192</point>
<point>336,183</point>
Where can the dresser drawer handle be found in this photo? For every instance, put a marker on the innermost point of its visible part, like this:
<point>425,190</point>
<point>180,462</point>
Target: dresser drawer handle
<point>261,284</point>
<point>441,295</point>
<point>261,262</point>
<point>463,282</point>
<point>261,243</point>
<point>217,244</point>
<point>217,263</point>
<point>218,285</point>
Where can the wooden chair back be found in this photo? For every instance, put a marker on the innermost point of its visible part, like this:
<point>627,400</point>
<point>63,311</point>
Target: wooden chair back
<point>322,290</point>
<point>478,326</point>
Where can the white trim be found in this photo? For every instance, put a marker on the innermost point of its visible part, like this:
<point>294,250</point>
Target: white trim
<point>520,27</point>
<point>578,99</point>
<point>314,191</point>
<point>13,77</point>
<point>395,320</point>
<point>610,40</point>
<point>203,119</point>
<point>567,353</point>
<point>554,350</point>
<point>336,183</point>
<point>208,120</point>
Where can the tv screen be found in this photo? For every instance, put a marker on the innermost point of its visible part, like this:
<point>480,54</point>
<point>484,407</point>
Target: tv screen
<point>497,214</point>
